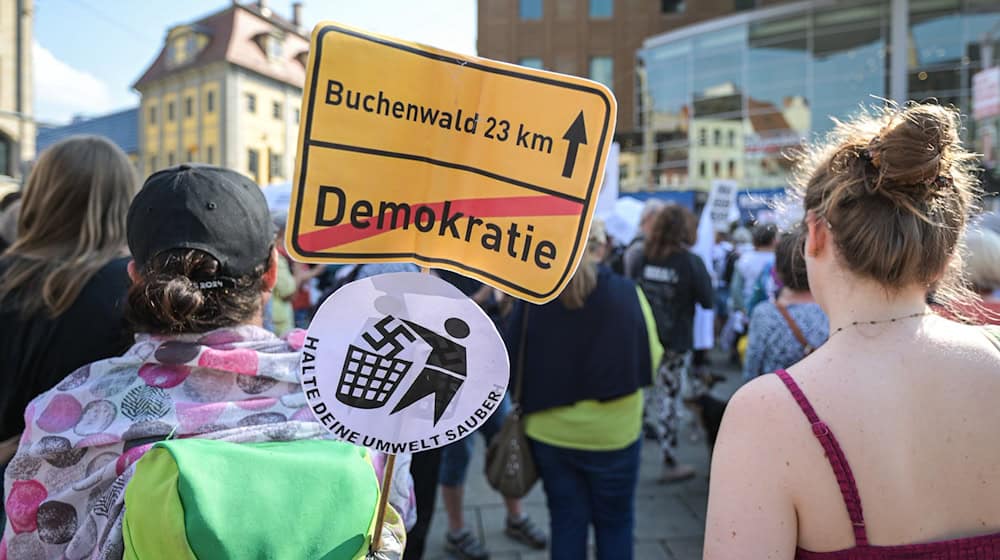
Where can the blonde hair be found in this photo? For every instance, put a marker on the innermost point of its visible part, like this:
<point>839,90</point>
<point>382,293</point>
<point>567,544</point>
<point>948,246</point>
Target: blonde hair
<point>982,261</point>
<point>895,186</point>
<point>71,224</point>
<point>584,281</point>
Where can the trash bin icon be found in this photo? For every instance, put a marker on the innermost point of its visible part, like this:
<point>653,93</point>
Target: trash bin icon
<point>368,380</point>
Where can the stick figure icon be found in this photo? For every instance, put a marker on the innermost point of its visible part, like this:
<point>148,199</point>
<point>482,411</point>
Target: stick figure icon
<point>445,370</point>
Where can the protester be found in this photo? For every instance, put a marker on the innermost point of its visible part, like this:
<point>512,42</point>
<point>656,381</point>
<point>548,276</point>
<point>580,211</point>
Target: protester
<point>721,251</point>
<point>901,401</point>
<point>785,330</point>
<point>63,281</point>
<point>634,251</point>
<point>983,266</point>
<point>201,367</point>
<point>425,466</point>
<point>674,280</point>
<point>586,356</point>
<point>752,267</point>
<point>279,313</point>
<point>460,540</point>
<point>736,321</point>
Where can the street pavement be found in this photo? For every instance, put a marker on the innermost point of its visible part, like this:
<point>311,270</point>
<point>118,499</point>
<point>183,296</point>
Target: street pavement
<point>670,518</point>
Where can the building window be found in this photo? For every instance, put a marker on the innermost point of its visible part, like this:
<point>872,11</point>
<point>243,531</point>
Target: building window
<point>251,103</point>
<point>672,6</point>
<point>732,138</point>
<point>210,155</point>
<point>717,137</point>
<point>298,115</point>
<point>741,5</point>
<point>732,169</point>
<point>191,46</point>
<point>170,111</point>
<point>152,115</point>
<point>701,169</point>
<point>253,165</point>
<point>274,168</point>
<point>274,48</point>
<point>530,9</point>
<point>531,62</point>
<point>600,9</point>
<point>276,109</point>
<point>188,107</point>
<point>191,155</point>
<point>702,137</point>
<point>716,169</point>
<point>210,102</point>
<point>602,70</point>
<point>152,164</point>
<point>170,159</point>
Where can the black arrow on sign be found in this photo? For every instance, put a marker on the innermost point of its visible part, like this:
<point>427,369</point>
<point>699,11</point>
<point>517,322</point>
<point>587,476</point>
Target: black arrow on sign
<point>576,134</point>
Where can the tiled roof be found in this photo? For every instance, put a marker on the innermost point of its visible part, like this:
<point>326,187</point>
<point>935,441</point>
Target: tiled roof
<point>765,117</point>
<point>232,36</point>
<point>122,128</point>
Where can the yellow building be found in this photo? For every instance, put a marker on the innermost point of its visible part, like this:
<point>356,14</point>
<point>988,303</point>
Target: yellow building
<point>226,90</point>
<point>17,126</point>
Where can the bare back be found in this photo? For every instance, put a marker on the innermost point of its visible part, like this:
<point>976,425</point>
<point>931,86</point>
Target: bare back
<point>917,414</point>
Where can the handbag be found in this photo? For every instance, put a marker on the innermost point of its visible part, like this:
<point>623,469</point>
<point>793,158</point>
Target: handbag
<point>510,469</point>
<point>796,331</point>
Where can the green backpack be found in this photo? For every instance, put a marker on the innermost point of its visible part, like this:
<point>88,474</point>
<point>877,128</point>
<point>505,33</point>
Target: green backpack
<point>215,500</point>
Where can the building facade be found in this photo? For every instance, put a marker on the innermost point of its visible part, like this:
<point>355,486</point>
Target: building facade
<point>595,39</point>
<point>17,125</point>
<point>226,90</point>
<point>733,96</point>
<point>121,127</point>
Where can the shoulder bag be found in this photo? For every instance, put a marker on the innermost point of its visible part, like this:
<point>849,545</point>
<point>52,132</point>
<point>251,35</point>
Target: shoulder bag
<point>510,469</point>
<point>796,331</point>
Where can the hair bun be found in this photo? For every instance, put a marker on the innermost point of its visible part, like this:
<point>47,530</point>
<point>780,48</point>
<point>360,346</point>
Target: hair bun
<point>912,154</point>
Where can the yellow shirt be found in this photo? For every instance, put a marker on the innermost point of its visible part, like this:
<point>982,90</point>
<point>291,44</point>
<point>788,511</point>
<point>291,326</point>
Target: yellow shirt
<point>597,425</point>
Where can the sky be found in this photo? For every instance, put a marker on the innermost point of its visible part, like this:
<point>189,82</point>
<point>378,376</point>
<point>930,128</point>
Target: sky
<point>87,53</point>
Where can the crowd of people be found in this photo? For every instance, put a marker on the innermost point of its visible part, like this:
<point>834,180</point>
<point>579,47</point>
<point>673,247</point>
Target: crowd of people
<point>150,338</point>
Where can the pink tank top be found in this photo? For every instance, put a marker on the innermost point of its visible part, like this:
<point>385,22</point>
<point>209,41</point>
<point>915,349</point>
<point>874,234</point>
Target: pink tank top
<point>972,548</point>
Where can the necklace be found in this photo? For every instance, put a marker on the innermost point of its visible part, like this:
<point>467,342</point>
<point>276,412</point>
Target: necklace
<point>893,320</point>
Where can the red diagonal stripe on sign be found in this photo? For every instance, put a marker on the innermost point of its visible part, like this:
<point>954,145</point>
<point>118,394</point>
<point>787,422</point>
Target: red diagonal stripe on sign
<point>506,207</point>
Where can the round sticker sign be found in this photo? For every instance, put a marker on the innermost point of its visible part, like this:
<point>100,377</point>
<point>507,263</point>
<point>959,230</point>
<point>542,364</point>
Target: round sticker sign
<point>402,362</point>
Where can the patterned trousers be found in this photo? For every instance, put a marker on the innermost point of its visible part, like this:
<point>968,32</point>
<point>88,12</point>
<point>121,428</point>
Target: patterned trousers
<point>664,401</point>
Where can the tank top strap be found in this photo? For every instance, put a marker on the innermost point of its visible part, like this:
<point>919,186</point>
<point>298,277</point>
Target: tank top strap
<point>834,454</point>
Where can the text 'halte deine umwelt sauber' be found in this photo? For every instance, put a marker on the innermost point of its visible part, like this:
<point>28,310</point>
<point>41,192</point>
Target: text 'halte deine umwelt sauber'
<point>459,121</point>
<point>443,219</point>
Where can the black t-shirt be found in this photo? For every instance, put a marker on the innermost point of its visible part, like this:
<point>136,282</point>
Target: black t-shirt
<point>38,352</point>
<point>673,286</point>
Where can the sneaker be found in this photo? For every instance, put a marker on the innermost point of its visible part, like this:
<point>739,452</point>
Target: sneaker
<point>466,546</point>
<point>526,532</point>
<point>676,473</point>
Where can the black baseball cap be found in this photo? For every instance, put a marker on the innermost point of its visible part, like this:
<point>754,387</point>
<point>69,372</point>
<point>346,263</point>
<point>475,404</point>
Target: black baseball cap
<point>212,209</point>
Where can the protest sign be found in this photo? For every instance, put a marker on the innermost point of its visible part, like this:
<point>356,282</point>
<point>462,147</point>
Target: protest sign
<point>402,363</point>
<point>410,153</point>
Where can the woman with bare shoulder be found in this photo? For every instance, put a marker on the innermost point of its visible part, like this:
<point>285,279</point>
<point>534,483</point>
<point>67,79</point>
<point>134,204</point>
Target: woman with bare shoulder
<point>881,443</point>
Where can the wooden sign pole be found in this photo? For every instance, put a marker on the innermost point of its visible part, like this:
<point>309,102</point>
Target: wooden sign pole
<point>383,502</point>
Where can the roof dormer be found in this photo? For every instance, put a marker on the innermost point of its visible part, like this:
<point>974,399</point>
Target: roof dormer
<point>272,43</point>
<point>184,43</point>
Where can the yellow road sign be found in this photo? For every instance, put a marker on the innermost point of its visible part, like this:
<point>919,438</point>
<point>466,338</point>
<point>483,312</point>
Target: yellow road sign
<point>410,153</point>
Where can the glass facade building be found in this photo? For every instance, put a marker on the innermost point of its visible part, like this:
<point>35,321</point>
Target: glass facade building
<point>729,98</point>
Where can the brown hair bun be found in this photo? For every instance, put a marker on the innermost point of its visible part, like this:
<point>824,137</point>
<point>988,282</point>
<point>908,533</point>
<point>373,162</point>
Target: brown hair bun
<point>896,187</point>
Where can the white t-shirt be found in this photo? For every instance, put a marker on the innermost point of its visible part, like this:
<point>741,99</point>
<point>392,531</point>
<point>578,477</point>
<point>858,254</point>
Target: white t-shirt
<point>750,266</point>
